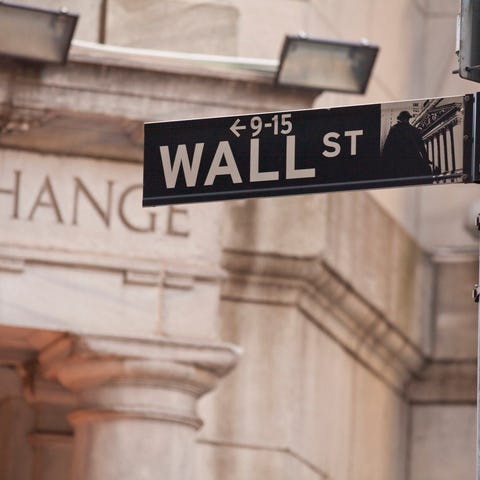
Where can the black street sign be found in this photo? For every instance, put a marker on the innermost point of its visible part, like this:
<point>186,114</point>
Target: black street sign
<point>417,142</point>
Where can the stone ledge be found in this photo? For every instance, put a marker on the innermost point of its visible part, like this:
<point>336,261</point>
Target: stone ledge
<point>445,381</point>
<point>135,271</point>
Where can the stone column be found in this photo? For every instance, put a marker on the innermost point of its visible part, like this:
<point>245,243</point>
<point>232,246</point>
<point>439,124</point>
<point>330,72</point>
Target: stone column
<point>16,421</point>
<point>51,440</point>
<point>137,416</point>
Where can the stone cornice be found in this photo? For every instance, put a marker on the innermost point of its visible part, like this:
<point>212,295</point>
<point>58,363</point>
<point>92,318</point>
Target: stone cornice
<point>329,301</point>
<point>166,62</point>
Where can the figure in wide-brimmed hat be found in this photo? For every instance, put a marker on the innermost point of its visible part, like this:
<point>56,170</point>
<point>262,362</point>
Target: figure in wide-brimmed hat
<point>404,152</point>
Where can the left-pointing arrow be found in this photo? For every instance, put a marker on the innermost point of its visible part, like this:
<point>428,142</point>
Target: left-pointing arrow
<point>235,128</point>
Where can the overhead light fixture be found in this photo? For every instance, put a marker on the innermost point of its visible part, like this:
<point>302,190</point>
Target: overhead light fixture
<point>35,34</point>
<point>326,64</point>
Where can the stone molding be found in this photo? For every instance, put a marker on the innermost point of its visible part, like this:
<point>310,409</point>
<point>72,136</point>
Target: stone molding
<point>159,282</point>
<point>136,378</point>
<point>324,297</point>
<point>445,382</point>
<point>175,274</point>
<point>11,264</point>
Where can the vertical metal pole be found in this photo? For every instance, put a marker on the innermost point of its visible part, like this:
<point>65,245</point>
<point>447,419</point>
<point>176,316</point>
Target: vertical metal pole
<point>476,297</point>
<point>474,174</point>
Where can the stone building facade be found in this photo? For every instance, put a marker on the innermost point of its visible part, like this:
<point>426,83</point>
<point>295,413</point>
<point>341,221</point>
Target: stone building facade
<point>325,337</point>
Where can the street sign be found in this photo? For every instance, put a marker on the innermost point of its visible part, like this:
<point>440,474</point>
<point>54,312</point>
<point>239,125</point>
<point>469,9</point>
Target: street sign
<point>416,142</point>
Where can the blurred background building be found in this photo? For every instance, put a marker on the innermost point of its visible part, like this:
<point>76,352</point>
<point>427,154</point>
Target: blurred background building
<point>318,337</point>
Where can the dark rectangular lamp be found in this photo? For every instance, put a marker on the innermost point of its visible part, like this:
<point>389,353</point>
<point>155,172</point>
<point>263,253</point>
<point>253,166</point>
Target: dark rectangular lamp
<point>35,34</point>
<point>326,64</point>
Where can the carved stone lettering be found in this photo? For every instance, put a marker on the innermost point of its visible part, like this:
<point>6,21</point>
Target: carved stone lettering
<point>104,213</point>
<point>14,192</point>
<point>178,221</point>
<point>80,201</point>
<point>149,227</point>
<point>46,198</point>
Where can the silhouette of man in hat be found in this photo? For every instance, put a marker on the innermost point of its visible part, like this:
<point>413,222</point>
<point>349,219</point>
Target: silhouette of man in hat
<point>404,153</point>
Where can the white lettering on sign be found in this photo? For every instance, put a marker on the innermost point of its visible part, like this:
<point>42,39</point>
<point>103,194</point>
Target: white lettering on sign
<point>292,172</point>
<point>353,134</point>
<point>280,124</point>
<point>224,163</point>
<point>190,171</point>
<point>329,142</point>
<point>255,174</point>
<point>236,127</point>
<point>224,151</point>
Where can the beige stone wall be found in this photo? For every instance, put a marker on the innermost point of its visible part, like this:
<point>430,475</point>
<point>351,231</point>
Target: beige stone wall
<point>189,25</point>
<point>443,395</point>
<point>359,346</point>
<point>443,432</point>
<point>329,339</point>
<point>310,409</point>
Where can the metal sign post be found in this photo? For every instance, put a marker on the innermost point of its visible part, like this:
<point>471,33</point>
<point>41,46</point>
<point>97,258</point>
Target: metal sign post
<point>476,170</point>
<point>478,392</point>
<point>415,142</point>
<point>476,297</point>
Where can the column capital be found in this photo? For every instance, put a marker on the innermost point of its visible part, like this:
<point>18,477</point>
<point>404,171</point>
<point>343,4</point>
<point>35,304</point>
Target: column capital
<point>136,378</point>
